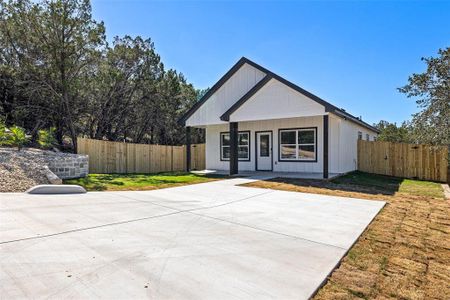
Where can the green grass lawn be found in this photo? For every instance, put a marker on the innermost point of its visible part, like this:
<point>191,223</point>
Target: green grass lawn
<point>391,184</point>
<point>135,182</point>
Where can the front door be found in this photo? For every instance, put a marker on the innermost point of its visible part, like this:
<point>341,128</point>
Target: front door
<point>264,151</point>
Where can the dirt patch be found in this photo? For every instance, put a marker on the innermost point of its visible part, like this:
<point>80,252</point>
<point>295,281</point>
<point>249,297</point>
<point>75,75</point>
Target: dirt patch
<point>403,254</point>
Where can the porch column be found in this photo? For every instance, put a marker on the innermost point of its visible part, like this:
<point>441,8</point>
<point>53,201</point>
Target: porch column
<point>234,148</point>
<point>325,146</point>
<point>188,148</point>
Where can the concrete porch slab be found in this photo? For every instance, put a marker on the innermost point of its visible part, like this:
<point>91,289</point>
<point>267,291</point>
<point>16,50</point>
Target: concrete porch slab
<point>267,175</point>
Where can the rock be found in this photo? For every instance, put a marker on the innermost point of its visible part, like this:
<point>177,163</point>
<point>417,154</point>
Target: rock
<point>51,177</point>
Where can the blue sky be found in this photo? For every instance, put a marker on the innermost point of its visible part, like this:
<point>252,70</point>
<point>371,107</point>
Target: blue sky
<point>353,54</point>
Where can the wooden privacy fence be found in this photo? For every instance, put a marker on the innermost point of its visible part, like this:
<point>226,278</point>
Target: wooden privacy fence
<point>116,157</point>
<point>403,160</point>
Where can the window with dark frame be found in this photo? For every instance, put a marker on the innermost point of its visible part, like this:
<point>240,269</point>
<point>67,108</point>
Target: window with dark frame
<point>243,145</point>
<point>298,144</point>
<point>367,137</point>
<point>359,135</point>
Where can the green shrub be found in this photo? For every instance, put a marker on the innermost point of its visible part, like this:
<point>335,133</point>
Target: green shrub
<point>46,138</point>
<point>17,137</point>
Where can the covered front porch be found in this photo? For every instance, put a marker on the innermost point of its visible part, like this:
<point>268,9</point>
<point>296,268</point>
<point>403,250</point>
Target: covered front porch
<point>296,147</point>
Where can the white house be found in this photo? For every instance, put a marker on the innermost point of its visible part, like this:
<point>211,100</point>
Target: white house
<point>256,120</point>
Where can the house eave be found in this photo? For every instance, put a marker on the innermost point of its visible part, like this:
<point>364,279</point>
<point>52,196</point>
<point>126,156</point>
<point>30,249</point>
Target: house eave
<point>329,108</point>
<point>182,121</point>
<point>349,117</point>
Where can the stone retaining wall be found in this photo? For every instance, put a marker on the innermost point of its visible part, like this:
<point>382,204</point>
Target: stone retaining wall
<point>69,166</point>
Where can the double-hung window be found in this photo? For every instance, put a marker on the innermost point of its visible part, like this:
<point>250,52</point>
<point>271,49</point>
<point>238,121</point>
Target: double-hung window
<point>298,144</point>
<point>243,145</point>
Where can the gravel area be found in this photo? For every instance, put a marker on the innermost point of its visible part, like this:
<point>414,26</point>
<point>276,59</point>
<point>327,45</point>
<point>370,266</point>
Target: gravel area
<point>20,170</point>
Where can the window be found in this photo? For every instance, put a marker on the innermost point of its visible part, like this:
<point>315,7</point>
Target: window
<point>243,145</point>
<point>298,144</point>
<point>374,138</point>
<point>264,145</point>
<point>367,137</point>
<point>359,135</point>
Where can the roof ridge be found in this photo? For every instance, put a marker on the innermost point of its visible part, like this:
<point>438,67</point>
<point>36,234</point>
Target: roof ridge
<point>213,89</point>
<point>328,106</point>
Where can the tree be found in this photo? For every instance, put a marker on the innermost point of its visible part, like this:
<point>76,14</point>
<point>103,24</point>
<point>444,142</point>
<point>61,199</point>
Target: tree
<point>432,90</point>
<point>57,71</point>
<point>390,132</point>
<point>135,98</point>
<point>201,93</point>
<point>125,86</point>
<point>55,44</point>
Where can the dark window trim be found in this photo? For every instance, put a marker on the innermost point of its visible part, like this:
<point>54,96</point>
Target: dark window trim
<point>249,145</point>
<point>298,160</point>
<point>256,148</point>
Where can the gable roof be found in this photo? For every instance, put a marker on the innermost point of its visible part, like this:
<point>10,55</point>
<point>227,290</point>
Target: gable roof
<point>269,75</point>
<point>212,90</point>
<point>248,95</point>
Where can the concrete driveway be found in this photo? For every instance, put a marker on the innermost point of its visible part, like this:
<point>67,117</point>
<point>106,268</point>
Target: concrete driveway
<point>206,241</point>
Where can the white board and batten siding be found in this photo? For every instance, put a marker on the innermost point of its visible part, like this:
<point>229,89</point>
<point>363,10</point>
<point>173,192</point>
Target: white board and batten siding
<point>343,150</point>
<point>276,101</point>
<point>213,161</point>
<point>343,137</point>
<point>235,87</point>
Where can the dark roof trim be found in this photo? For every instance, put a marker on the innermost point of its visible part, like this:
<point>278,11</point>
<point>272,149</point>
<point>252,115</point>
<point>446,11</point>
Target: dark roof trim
<point>328,106</point>
<point>354,119</point>
<point>248,95</point>
<point>215,87</point>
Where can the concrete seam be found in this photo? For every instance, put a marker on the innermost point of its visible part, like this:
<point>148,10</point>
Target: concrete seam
<point>267,230</point>
<point>176,211</point>
<point>236,223</point>
<point>199,208</point>
<point>91,227</point>
<point>191,211</point>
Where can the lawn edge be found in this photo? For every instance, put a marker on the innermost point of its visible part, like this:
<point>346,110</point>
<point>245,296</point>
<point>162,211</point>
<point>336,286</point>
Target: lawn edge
<point>338,264</point>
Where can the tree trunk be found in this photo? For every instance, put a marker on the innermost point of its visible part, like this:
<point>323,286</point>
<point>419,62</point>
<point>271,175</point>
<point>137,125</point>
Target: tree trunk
<point>59,132</point>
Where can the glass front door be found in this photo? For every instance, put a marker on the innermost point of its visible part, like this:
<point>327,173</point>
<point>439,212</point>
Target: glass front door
<point>264,151</point>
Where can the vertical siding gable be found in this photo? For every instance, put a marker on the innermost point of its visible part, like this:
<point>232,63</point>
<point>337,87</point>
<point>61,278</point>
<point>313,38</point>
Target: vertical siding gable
<point>276,100</point>
<point>233,89</point>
